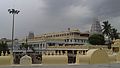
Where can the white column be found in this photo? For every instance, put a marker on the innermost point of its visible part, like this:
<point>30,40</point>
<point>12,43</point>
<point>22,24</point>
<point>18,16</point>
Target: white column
<point>39,48</point>
<point>45,45</point>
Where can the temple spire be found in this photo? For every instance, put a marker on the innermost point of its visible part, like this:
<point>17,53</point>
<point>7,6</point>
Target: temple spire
<point>96,27</point>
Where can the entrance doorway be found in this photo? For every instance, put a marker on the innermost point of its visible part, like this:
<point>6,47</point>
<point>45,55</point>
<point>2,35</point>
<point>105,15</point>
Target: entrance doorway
<point>71,57</point>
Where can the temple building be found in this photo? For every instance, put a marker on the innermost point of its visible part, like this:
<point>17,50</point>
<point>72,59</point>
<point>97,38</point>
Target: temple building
<point>65,38</point>
<point>31,35</point>
<point>70,44</point>
<point>44,42</point>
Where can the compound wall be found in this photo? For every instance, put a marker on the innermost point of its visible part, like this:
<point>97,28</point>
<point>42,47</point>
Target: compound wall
<point>93,56</point>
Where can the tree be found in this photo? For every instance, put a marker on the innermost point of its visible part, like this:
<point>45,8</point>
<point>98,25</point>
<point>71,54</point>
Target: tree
<point>106,28</point>
<point>26,46</point>
<point>109,32</point>
<point>3,47</point>
<point>114,34</point>
<point>96,39</point>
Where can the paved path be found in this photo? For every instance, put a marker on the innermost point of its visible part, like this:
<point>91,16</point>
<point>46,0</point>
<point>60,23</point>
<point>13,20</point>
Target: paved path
<point>66,66</point>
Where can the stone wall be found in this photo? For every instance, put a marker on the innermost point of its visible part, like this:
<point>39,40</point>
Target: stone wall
<point>6,59</point>
<point>93,56</point>
<point>54,58</point>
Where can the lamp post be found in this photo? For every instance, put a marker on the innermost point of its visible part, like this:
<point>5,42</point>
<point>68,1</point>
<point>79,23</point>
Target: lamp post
<point>108,42</point>
<point>13,12</point>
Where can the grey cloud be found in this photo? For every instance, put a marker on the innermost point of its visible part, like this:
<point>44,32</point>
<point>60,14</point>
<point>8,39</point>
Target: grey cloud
<point>55,19</point>
<point>41,16</point>
<point>99,8</point>
<point>56,7</point>
<point>105,7</point>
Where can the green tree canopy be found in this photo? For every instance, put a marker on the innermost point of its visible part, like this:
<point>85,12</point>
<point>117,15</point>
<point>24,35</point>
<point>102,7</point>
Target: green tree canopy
<point>114,34</point>
<point>3,47</point>
<point>96,39</point>
<point>26,46</point>
<point>109,31</point>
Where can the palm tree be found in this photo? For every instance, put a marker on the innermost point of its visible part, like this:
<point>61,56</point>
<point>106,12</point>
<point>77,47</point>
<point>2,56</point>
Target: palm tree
<point>107,32</point>
<point>26,46</point>
<point>114,34</point>
<point>106,28</point>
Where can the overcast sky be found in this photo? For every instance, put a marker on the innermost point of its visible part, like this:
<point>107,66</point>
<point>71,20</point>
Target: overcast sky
<point>43,16</point>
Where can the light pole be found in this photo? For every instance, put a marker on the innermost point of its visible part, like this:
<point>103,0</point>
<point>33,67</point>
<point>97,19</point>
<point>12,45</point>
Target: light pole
<point>13,12</point>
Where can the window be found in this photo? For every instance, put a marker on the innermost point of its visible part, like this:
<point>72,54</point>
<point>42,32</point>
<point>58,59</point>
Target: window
<point>75,40</point>
<point>81,40</point>
<point>78,40</point>
<point>67,34</point>
<point>115,49</point>
<point>43,45</point>
<point>71,40</point>
<point>40,45</point>
<point>65,40</point>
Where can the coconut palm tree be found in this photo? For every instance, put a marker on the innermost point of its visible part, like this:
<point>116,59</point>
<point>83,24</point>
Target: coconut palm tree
<point>26,46</point>
<point>107,32</point>
<point>106,28</point>
<point>114,34</point>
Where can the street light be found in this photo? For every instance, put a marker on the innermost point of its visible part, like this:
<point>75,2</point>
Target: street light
<point>13,12</point>
<point>108,42</point>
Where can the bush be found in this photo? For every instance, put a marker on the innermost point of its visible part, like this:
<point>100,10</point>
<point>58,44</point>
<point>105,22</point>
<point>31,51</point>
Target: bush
<point>96,39</point>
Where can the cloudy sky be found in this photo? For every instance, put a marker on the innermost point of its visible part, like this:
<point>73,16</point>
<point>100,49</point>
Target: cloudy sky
<point>42,16</point>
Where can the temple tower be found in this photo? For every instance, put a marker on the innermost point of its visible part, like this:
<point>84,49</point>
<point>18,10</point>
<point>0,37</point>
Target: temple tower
<point>96,27</point>
<point>31,35</point>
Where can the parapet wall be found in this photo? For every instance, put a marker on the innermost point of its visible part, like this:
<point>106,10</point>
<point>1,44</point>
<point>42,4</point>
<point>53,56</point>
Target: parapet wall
<point>6,59</point>
<point>93,56</point>
<point>112,58</point>
<point>54,58</point>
